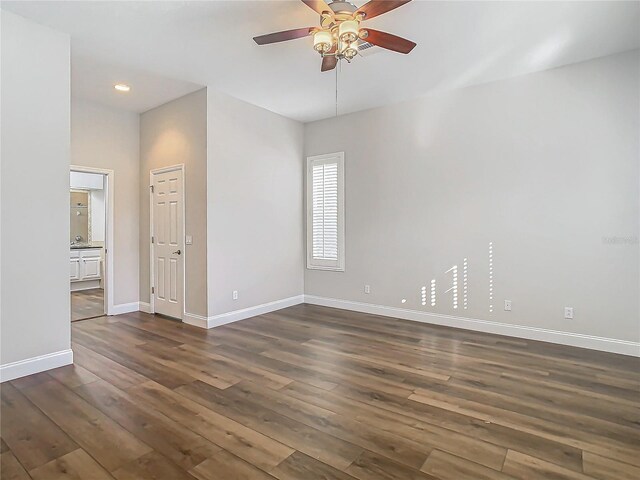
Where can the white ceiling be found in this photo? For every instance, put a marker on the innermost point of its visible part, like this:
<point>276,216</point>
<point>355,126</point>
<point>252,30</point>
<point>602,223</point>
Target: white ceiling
<point>93,80</point>
<point>167,49</point>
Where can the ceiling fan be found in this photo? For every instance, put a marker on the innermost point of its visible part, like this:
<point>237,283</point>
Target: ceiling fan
<point>340,33</point>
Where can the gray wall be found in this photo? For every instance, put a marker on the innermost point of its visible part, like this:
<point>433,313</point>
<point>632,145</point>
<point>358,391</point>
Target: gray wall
<point>105,138</point>
<point>34,276</point>
<point>255,219</point>
<point>170,134</point>
<point>545,166</point>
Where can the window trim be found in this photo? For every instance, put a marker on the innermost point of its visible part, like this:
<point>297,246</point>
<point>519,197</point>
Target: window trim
<point>337,266</point>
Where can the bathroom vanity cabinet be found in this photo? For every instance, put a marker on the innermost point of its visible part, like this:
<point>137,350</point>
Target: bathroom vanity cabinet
<point>85,268</point>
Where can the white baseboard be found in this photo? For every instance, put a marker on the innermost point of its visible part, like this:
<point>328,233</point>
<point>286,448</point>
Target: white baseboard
<point>125,308</point>
<point>190,318</point>
<point>235,315</point>
<point>29,366</point>
<point>530,333</point>
<point>195,320</point>
<point>144,307</point>
<point>85,285</point>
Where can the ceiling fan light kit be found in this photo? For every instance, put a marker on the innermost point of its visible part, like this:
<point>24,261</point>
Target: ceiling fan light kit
<point>348,31</point>
<point>340,32</point>
<point>349,51</point>
<point>322,41</point>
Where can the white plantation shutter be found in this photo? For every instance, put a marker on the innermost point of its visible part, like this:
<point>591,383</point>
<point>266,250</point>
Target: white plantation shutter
<point>325,211</point>
<point>325,224</point>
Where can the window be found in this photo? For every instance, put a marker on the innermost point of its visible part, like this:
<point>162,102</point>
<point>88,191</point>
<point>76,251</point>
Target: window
<point>325,212</point>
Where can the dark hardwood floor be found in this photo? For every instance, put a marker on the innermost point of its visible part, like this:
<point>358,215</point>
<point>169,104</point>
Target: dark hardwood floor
<point>316,393</point>
<point>87,304</point>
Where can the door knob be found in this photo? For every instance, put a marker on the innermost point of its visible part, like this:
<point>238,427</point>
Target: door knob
<point>177,252</point>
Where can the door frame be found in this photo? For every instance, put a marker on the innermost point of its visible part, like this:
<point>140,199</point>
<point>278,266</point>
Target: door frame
<point>109,253</point>
<point>153,172</point>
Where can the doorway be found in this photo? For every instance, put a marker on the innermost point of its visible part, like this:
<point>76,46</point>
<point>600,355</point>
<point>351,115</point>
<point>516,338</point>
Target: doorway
<point>167,241</point>
<point>90,240</point>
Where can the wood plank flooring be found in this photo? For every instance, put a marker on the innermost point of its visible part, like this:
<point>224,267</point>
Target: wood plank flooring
<point>311,392</point>
<point>87,304</point>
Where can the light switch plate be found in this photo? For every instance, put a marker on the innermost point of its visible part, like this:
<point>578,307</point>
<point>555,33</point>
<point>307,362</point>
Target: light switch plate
<point>188,240</point>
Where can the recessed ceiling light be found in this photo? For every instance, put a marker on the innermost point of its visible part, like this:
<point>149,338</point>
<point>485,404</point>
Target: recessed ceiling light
<point>121,87</point>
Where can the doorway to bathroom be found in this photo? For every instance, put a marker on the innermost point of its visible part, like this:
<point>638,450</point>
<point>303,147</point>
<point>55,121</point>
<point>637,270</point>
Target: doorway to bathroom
<point>90,240</point>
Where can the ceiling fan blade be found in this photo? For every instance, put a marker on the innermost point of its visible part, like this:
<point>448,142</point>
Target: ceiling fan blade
<point>319,6</point>
<point>283,36</point>
<point>378,7</point>
<point>389,41</point>
<point>329,63</point>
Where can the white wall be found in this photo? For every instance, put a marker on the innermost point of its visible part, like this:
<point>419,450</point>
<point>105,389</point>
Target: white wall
<point>86,181</point>
<point>34,276</point>
<point>254,215</point>
<point>171,134</point>
<point>106,138</point>
<point>545,166</point>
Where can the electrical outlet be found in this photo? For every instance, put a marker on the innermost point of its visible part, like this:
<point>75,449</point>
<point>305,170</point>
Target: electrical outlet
<point>367,289</point>
<point>507,305</point>
<point>235,294</point>
<point>568,313</point>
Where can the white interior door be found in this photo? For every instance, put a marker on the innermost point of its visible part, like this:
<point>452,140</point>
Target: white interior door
<point>168,248</point>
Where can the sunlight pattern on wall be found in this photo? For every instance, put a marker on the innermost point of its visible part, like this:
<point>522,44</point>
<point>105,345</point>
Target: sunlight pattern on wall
<point>454,285</point>
<point>490,277</point>
<point>433,292</point>
<point>465,271</point>
<point>459,286</point>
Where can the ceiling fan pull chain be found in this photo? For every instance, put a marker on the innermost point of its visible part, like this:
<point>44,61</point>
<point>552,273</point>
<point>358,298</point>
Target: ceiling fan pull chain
<point>337,69</point>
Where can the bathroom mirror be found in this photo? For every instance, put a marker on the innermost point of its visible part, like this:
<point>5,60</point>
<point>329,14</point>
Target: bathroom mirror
<point>80,211</point>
